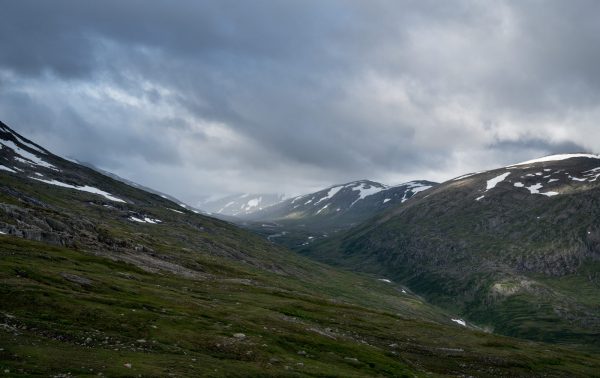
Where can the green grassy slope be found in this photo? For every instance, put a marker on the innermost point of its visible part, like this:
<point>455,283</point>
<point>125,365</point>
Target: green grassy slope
<point>518,263</point>
<point>65,311</point>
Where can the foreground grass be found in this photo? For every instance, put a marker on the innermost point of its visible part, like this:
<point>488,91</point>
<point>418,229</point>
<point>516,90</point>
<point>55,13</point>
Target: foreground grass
<point>67,312</point>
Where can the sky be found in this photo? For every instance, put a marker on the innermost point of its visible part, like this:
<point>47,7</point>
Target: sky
<point>208,98</point>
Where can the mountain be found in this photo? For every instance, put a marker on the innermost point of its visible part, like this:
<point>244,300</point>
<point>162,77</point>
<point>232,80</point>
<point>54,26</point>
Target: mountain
<point>133,183</point>
<point>515,249</point>
<point>101,278</point>
<point>301,220</point>
<point>240,205</point>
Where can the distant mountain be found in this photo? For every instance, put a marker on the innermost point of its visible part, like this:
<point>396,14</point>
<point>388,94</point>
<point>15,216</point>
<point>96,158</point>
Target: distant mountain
<point>515,249</point>
<point>301,220</point>
<point>341,204</point>
<point>240,205</point>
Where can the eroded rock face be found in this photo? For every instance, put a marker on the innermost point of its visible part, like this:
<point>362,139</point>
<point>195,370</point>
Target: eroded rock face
<point>31,225</point>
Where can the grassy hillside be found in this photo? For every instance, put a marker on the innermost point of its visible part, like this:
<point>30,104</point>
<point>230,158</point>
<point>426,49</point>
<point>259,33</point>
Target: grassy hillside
<point>65,311</point>
<point>516,262</point>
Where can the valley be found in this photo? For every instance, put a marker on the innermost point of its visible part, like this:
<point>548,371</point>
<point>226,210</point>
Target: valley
<point>100,277</point>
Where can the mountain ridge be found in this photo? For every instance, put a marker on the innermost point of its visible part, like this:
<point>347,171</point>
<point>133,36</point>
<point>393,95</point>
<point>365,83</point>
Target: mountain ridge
<point>301,220</point>
<point>240,205</point>
<point>494,246</point>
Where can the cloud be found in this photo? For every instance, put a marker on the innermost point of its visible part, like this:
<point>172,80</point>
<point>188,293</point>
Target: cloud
<point>201,98</point>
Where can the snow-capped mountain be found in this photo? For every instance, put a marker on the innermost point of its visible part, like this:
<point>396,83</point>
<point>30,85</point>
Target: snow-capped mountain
<point>301,220</point>
<point>240,204</point>
<point>514,248</point>
<point>22,156</point>
<point>548,176</point>
<point>350,201</point>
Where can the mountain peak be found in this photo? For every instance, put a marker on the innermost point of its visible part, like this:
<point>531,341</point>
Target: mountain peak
<point>18,154</point>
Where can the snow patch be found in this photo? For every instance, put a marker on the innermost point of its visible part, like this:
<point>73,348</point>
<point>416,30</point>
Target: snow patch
<point>385,280</point>
<point>550,194</point>
<point>418,189</point>
<point>30,145</point>
<point>479,198</point>
<point>535,189</point>
<point>88,189</point>
<point>3,168</point>
<point>592,174</point>
<point>387,200</point>
<point>460,321</point>
<point>491,184</point>
<point>28,156</point>
<point>323,208</point>
<point>332,192</point>
<point>253,203</point>
<point>414,188</point>
<point>577,178</point>
<point>365,190</point>
<point>145,220</point>
<point>297,198</point>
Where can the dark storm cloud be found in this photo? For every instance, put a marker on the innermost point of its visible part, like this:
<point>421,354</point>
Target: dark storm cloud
<point>535,145</point>
<point>201,97</point>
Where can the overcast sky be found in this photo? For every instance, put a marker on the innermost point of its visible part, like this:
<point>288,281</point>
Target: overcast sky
<point>200,98</point>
